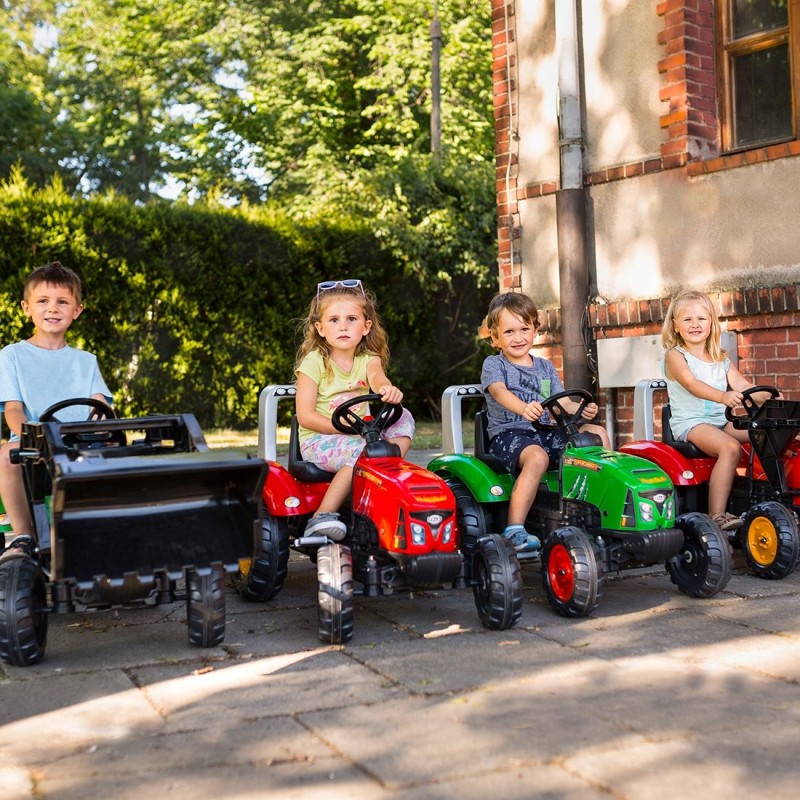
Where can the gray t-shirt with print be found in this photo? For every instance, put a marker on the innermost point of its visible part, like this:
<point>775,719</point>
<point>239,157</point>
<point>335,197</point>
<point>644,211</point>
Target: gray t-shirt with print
<point>536,382</point>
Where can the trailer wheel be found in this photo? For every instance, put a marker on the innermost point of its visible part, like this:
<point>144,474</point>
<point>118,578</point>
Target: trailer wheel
<point>572,578</point>
<point>703,567</point>
<point>205,605</point>
<point>496,583</point>
<point>335,593</point>
<point>770,540</point>
<point>23,612</point>
<point>267,572</point>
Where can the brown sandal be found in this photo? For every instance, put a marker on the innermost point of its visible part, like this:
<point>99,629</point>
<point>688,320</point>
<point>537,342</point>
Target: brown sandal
<point>727,522</point>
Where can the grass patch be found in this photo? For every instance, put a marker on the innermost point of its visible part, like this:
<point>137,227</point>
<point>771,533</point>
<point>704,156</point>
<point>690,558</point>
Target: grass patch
<point>427,437</point>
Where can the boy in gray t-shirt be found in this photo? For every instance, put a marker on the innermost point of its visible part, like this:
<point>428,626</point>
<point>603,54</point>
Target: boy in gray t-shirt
<point>35,374</point>
<point>515,384</point>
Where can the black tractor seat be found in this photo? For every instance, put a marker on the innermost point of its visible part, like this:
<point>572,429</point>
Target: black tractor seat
<point>305,471</point>
<point>684,448</point>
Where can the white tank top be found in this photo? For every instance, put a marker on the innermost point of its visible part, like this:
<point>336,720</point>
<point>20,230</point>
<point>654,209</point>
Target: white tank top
<point>688,410</point>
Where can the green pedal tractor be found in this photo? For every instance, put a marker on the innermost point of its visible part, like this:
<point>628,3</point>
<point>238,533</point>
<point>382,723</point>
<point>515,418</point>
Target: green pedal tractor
<point>599,513</point>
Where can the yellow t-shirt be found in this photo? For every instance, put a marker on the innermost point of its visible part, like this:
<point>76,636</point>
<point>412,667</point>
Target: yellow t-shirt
<point>335,386</point>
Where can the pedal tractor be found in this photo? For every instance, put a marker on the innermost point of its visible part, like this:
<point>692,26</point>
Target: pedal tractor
<point>599,513</point>
<point>126,522</point>
<point>766,489</point>
<point>401,523</point>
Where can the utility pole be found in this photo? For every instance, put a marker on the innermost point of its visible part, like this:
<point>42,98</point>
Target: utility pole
<point>436,99</point>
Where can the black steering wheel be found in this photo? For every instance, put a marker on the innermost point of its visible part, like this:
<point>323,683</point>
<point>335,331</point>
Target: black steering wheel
<point>345,420</point>
<point>563,420</point>
<point>750,406</point>
<point>100,410</point>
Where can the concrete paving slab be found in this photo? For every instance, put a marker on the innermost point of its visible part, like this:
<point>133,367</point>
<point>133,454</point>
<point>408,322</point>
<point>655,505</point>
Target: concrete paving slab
<point>50,722</point>
<point>731,765</point>
<point>326,779</point>
<point>262,688</point>
<point>447,737</point>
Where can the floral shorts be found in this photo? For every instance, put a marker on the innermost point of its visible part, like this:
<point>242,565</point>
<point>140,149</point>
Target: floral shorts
<point>507,446</point>
<point>332,451</point>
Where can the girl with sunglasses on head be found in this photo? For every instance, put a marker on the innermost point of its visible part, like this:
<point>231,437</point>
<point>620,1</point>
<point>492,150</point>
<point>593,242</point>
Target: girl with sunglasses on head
<point>344,354</point>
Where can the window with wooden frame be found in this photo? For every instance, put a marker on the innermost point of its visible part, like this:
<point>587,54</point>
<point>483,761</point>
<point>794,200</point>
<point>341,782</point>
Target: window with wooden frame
<point>758,71</point>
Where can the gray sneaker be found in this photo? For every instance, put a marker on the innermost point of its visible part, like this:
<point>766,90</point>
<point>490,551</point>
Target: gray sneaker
<point>327,523</point>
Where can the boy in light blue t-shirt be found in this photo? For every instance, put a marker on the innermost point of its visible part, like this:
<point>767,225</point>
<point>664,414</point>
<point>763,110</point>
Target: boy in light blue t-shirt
<point>35,374</point>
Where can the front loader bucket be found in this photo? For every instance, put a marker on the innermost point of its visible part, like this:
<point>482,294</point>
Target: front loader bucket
<point>148,514</point>
<point>124,500</point>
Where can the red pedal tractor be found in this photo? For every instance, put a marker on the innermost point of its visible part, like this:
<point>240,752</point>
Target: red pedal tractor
<point>401,526</point>
<point>766,489</point>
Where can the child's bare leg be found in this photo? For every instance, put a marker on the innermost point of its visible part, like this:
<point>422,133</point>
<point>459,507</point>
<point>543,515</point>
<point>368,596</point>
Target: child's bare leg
<point>12,491</point>
<point>533,462</point>
<point>727,449</point>
<point>338,491</point>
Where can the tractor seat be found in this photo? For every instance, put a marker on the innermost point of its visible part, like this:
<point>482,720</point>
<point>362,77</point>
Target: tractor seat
<point>482,443</point>
<point>685,448</point>
<point>304,471</point>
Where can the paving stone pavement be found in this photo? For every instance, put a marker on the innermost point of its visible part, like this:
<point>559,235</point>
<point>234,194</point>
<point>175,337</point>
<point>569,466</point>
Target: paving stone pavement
<point>655,695</point>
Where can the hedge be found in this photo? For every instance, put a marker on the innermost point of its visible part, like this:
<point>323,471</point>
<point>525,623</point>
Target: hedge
<point>195,308</point>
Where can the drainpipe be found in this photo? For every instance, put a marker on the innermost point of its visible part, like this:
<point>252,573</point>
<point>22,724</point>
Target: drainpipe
<point>573,269</point>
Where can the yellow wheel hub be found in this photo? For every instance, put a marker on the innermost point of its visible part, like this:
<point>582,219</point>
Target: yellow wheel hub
<point>762,541</point>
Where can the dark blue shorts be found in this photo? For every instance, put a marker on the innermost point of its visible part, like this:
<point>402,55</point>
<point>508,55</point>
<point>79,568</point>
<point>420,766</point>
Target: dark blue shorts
<point>507,446</point>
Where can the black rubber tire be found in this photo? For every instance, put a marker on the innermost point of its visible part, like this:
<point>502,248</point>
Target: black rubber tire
<point>23,612</point>
<point>496,583</point>
<point>205,605</point>
<point>335,593</point>
<point>572,577</point>
<point>770,540</point>
<point>472,519</point>
<point>704,565</point>
<point>268,571</point>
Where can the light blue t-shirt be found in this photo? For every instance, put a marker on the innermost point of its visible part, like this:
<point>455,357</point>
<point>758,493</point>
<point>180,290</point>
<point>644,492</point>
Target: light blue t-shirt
<point>689,411</point>
<point>39,378</point>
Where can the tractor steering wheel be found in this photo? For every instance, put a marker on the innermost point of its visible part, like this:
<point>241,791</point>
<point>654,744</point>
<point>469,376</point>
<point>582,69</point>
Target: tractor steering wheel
<point>100,410</point>
<point>345,420</point>
<point>750,406</point>
<point>569,423</point>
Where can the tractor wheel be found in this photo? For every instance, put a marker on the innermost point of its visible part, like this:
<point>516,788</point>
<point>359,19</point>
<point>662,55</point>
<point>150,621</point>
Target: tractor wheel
<point>572,577</point>
<point>472,519</point>
<point>23,612</point>
<point>205,605</point>
<point>496,583</point>
<point>335,593</point>
<point>265,576</point>
<point>770,540</point>
<point>703,567</point>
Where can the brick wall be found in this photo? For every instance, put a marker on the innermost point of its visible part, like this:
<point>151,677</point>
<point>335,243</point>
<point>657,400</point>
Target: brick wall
<point>504,65</point>
<point>766,320</point>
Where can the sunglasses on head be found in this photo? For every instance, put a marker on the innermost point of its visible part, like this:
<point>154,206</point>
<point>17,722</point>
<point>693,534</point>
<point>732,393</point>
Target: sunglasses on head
<point>348,283</point>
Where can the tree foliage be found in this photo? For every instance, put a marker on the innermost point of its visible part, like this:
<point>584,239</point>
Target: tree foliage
<point>315,113</point>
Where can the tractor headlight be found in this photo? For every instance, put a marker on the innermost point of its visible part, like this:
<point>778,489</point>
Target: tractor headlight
<point>417,533</point>
<point>447,533</point>
<point>646,512</point>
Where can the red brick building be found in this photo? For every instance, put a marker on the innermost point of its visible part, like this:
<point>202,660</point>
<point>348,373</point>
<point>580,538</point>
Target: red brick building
<point>689,125</point>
